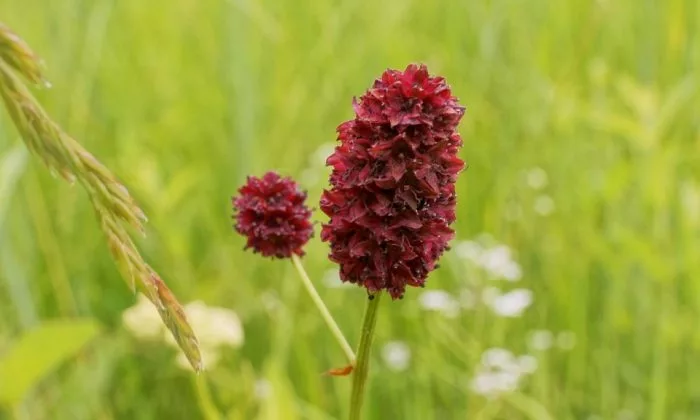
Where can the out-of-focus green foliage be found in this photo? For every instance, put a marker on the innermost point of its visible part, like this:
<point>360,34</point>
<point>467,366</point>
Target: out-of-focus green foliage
<point>182,99</point>
<point>39,351</point>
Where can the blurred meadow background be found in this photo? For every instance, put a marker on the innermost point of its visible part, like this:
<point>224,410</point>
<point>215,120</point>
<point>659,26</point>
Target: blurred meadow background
<point>572,290</point>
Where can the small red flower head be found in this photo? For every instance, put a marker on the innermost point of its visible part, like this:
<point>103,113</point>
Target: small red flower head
<point>271,213</point>
<point>393,182</point>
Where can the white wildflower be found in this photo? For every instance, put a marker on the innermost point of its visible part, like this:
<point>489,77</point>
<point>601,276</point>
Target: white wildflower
<point>215,327</point>
<point>262,389</point>
<point>396,355</point>
<point>511,271</point>
<point>499,263</point>
<point>210,357</point>
<point>500,372</point>
<point>527,363</point>
<point>226,327</point>
<point>540,340</point>
<point>486,383</point>
<point>469,250</point>
<point>512,304</point>
<point>492,384</point>
<point>142,320</point>
<point>544,205</point>
<point>495,258</point>
<point>489,294</point>
<point>497,357</point>
<point>508,380</point>
<point>439,301</point>
<point>537,178</point>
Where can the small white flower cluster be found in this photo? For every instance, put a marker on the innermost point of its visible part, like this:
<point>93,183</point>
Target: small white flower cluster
<point>262,389</point>
<point>543,340</point>
<point>537,179</point>
<point>500,371</point>
<point>439,301</point>
<point>543,204</point>
<point>142,320</point>
<point>396,355</point>
<point>510,304</point>
<point>215,328</point>
<point>496,261</point>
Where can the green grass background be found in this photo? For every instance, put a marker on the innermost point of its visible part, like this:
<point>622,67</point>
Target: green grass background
<point>183,98</point>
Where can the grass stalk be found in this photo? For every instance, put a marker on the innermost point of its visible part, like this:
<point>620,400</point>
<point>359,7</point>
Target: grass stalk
<point>325,313</point>
<point>110,199</point>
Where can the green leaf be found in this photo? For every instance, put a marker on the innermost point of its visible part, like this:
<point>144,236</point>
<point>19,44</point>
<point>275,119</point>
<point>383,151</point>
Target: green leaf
<point>39,352</point>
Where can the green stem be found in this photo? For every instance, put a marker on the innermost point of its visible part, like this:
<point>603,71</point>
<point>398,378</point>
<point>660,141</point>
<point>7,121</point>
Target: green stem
<point>325,313</point>
<point>204,399</point>
<point>363,351</point>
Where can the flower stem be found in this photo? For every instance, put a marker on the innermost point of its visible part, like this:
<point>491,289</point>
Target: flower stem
<point>206,403</point>
<point>363,352</point>
<point>325,313</point>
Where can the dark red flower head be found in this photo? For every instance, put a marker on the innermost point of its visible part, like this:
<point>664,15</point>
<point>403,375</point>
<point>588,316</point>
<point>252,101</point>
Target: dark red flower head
<point>271,213</point>
<point>393,182</point>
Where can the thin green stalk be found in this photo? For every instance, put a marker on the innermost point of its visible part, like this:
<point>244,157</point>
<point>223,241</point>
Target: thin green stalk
<point>204,399</point>
<point>325,313</point>
<point>359,378</point>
